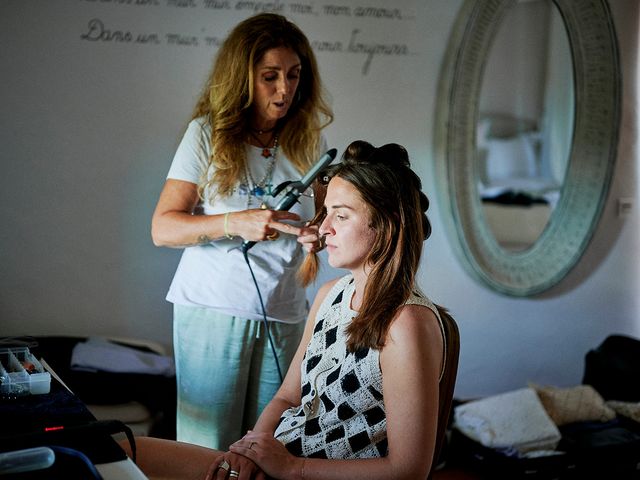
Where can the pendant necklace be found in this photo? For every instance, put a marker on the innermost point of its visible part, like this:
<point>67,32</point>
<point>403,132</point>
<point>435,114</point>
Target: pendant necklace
<point>266,150</point>
<point>258,189</point>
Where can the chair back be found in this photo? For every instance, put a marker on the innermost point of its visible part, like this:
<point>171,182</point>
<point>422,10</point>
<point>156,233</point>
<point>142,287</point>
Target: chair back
<point>448,380</point>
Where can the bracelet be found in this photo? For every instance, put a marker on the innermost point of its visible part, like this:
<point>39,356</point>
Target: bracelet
<point>226,226</point>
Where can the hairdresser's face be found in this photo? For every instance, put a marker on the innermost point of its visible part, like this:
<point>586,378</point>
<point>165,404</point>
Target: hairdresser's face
<point>276,78</point>
<point>346,227</point>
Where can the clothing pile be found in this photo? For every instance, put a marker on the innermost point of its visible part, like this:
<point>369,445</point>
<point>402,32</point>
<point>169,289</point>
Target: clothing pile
<point>546,432</point>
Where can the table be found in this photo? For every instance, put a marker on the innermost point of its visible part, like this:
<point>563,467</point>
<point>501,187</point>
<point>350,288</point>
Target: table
<point>60,418</point>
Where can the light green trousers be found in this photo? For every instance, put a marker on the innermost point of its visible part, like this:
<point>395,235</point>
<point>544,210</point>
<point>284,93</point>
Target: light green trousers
<point>226,372</point>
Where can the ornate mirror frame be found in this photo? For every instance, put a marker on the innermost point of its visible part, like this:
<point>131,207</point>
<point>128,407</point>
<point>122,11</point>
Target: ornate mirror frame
<point>597,76</point>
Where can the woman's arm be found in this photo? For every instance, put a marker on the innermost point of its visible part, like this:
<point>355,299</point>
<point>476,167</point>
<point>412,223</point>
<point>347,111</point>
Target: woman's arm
<point>174,225</point>
<point>161,459</point>
<point>410,362</point>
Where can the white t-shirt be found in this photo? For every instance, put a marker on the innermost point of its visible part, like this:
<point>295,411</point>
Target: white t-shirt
<point>216,275</point>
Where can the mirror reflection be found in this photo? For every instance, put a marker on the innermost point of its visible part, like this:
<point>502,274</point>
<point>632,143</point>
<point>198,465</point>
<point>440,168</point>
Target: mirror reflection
<point>525,122</point>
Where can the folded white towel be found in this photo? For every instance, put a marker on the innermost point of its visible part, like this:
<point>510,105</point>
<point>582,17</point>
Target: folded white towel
<point>100,354</point>
<point>514,419</point>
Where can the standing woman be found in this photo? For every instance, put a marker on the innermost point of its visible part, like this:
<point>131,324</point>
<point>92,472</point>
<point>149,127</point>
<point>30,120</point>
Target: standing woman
<point>256,124</point>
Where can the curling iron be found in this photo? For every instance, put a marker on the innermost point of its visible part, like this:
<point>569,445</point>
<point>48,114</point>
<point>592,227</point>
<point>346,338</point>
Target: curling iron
<point>297,188</point>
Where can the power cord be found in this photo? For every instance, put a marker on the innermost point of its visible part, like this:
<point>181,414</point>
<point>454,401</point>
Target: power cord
<point>264,315</point>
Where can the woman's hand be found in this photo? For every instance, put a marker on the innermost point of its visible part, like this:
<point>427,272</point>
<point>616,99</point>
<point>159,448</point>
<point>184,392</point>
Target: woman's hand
<point>242,467</point>
<point>311,239</point>
<point>269,454</point>
<point>256,225</point>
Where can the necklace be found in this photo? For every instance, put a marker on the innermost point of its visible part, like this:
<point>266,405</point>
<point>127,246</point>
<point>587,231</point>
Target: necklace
<point>262,132</point>
<point>259,189</point>
<point>266,150</point>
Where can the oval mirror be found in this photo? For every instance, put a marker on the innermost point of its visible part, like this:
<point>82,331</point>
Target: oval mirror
<point>585,129</point>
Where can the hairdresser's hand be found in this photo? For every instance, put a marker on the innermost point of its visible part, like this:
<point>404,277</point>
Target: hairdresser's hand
<point>256,225</point>
<point>311,239</point>
<point>244,467</point>
<point>269,454</point>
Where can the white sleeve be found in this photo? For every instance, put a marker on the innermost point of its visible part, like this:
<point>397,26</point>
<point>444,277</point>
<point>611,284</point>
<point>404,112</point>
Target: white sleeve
<point>323,145</point>
<point>192,156</point>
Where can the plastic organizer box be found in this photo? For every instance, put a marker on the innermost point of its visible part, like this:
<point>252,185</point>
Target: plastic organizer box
<point>21,373</point>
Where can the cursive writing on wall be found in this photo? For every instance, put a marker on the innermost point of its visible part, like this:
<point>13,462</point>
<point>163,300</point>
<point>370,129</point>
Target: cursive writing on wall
<point>356,28</point>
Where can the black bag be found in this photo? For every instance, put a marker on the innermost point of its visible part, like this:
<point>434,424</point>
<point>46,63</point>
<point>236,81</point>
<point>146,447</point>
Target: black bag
<point>613,368</point>
<point>507,464</point>
<point>603,449</point>
<point>609,450</point>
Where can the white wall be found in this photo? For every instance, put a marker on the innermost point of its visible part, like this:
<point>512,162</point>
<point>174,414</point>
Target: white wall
<point>88,129</point>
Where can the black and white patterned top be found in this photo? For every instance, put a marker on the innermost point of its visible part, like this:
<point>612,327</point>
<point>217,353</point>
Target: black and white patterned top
<point>342,415</point>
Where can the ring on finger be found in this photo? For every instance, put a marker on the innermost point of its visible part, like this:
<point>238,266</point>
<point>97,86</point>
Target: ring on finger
<point>233,474</point>
<point>273,236</point>
<point>224,465</point>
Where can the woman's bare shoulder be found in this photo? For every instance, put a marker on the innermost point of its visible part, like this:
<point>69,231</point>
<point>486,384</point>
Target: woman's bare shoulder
<point>416,323</point>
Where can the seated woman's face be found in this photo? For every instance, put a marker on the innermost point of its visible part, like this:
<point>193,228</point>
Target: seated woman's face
<point>346,227</point>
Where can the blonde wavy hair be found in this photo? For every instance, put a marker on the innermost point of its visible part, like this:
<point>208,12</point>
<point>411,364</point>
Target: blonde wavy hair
<point>228,96</point>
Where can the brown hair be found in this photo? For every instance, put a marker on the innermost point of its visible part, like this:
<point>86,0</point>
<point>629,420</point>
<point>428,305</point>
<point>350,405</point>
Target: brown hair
<point>228,96</point>
<point>392,191</point>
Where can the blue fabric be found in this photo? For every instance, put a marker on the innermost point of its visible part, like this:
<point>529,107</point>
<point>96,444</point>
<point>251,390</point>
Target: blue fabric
<point>225,372</point>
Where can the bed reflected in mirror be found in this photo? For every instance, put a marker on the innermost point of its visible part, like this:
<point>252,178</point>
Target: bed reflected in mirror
<point>525,122</point>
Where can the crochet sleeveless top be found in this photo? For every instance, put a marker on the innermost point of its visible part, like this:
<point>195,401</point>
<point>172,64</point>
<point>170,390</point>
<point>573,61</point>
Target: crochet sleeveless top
<point>342,415</point>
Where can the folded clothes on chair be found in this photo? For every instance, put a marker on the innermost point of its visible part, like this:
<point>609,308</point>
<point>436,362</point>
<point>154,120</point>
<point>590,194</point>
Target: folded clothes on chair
<point>98,354</point>
<point>514,419</point>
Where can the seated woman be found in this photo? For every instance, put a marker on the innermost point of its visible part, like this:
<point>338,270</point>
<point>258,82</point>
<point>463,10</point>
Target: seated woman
<point>360,400</point>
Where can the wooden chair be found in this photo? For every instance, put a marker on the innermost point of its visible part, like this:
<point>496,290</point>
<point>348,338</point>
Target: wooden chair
<point>447,382</point>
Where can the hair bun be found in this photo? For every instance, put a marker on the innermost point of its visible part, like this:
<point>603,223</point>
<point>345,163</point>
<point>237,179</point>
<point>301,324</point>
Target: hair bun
<point>424,202</point>
<point>391,154</point>
<point>426,224</point>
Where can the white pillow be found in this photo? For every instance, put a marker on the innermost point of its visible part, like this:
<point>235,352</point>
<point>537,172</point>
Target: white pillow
<point>512,157</point>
